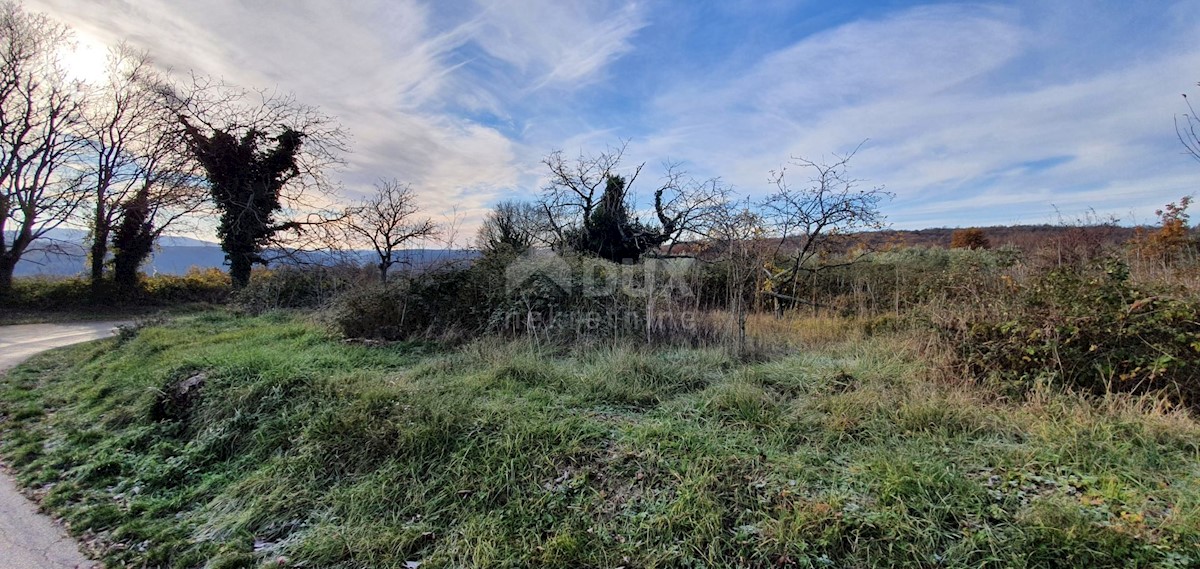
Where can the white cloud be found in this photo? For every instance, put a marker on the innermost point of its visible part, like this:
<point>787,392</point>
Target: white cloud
<point>463,97</point>
<point>947,131</point>
<point>556,42</point>
<point>382,67</point>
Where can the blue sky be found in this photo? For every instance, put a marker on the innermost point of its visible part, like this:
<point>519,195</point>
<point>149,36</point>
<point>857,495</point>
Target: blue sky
<point>973,113</point>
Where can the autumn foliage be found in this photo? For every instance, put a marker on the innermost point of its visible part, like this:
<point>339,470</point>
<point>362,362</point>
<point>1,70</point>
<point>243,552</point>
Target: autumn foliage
<point>1172,242</point>
<point>972,238</point>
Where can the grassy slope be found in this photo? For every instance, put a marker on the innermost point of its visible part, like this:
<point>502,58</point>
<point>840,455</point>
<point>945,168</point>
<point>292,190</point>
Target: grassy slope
<point>509,455</point>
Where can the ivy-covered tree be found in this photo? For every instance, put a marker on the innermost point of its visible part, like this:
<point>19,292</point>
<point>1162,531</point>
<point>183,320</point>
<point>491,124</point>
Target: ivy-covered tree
<point>589,208</point>
<point>245,175</point>
<point>611,232</point>
<point>132,241</point>
<point>136,163</point>
<point>262,156</point>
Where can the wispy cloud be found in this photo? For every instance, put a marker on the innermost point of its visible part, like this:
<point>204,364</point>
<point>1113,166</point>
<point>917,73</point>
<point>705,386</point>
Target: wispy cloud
<point>932,89</point>
<point>976,113</point>
<point>556,43</point>
<point>392,71</point>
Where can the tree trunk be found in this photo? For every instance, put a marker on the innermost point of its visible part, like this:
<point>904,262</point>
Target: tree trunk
<point>239,269</point>
<point>125,273</point>
<point>99,240</point>
<point>126,266</point>
<point>98,253</point>
<point>7,266</point>
<point>383,272</point>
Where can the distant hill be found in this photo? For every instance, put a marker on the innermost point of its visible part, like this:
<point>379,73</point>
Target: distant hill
<point>1024,237</point>
<point>66,255</point>
<point>63,252</point>
<point>175,255</point>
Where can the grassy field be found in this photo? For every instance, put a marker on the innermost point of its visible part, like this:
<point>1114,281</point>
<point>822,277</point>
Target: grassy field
<point>225,441</point>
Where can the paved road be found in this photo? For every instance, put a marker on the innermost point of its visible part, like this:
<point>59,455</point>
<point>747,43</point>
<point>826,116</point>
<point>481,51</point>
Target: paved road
<point>29,540</point>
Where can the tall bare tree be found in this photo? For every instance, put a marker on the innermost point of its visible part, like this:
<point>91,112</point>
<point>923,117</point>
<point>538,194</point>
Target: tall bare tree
<point>387,221</point>
<point>40,116</point>
<point>137,165</point>
<point>735,234</point>
<point>806,219</point>
<point>687,207</point>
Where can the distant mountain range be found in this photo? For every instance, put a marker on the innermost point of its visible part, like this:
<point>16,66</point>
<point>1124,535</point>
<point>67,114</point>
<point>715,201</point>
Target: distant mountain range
<point>64,253</point>
<point>175,255</point>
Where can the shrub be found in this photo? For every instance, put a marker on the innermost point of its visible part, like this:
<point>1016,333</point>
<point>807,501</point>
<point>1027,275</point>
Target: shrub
<point>1090,329</point>
<point>209,285</point>
<point>904,279</point>
<point>296,287</point>
<point>73,293</point>
<point>547,296</point>
<point>1172,244</point>
<point>44,293</point>
<point>972,238</point>
<point>568,298</point>
<point>439,304</point>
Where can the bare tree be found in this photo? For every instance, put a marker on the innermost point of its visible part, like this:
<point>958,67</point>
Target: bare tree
<point>265,156</point>
<point>40,114</point>
<point>1188,130</point>
<point>137,165</point>
<point>735,233</point>
<point>387,221</point>
<point>805,220</point>
<point>687,207</point>
<point>513,226</point>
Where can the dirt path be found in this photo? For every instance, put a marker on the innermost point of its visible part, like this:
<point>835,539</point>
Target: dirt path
<point>28,539</point>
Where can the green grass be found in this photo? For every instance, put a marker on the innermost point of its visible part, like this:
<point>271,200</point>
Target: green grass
<point>82,313</point>
<point>506,454</point>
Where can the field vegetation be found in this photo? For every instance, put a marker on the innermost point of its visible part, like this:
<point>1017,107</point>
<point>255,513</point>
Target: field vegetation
<point>924,407</point>
<point>228,441</point>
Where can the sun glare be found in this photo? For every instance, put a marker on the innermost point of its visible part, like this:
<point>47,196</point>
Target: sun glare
<point>86,61</point>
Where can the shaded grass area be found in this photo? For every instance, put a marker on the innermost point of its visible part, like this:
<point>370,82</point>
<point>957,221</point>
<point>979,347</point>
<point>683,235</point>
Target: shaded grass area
<point>91,313</point>
<point>303,451</point>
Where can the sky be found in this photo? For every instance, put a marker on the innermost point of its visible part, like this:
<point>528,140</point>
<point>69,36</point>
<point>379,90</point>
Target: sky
<point>972,114</point>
